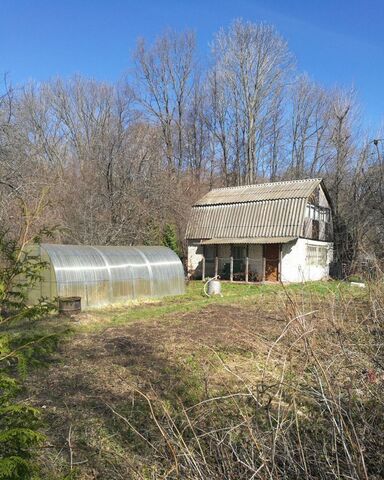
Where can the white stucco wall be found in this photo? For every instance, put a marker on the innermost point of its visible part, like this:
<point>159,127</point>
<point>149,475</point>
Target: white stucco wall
<point>195,258</point>
<point>295,266</point>
<point>294,262</point>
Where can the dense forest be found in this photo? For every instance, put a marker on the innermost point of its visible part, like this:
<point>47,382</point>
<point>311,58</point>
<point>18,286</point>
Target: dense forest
<point>123,163</point>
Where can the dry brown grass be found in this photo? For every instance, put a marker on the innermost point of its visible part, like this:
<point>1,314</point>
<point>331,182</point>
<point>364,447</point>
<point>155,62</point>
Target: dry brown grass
<point>286,386</point>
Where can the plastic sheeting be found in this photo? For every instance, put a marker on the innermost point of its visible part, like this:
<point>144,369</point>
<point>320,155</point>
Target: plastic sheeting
<point>105,275</point>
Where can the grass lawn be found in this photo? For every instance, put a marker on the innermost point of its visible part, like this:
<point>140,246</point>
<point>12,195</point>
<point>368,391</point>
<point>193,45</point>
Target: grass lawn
<point>194,300</point>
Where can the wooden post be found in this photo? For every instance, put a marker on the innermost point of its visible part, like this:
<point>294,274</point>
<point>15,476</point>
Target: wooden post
<point>264,263</point>
<point>247,264</point>
<point>203,268</point>
<point>231,268</point>
<point>216,264</point>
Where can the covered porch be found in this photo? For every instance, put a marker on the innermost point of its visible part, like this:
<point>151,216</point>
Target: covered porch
<point>245,260</point>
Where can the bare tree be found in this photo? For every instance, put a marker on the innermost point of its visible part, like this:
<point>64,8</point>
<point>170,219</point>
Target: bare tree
<point>309,128</point>
<point>123,160</point>
<point>251,64</point>
<point>342,131</point>
<point>164,83</point>
<point>196,133</point>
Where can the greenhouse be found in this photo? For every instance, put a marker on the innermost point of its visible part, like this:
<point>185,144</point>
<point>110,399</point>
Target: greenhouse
<point>105,275</point>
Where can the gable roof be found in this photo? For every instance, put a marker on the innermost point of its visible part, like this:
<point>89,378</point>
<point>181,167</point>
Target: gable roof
<point>267,211</point>
<point>260,192</point>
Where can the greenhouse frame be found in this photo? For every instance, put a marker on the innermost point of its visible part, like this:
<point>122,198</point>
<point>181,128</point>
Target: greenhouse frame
<point>108,274</point>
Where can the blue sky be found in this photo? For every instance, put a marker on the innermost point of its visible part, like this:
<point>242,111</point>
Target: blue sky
<point>338,43</point>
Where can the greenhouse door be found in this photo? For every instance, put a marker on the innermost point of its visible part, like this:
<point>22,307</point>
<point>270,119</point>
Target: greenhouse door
<point>272,260</point>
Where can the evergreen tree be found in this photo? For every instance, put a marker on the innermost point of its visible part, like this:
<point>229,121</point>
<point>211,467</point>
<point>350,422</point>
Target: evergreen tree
<point>20,269</point>
<point>170,238</point>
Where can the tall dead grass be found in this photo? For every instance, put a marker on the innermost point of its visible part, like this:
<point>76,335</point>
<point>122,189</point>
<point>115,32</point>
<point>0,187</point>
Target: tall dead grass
<point>311,407</point>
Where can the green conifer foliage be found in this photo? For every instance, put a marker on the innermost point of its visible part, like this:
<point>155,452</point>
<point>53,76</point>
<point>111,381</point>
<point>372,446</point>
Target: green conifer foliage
<point>19,423</point>
<point>170,238</point>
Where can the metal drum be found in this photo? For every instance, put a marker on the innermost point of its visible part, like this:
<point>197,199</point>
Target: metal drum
<point>214,287</point>
<point>69,305</point>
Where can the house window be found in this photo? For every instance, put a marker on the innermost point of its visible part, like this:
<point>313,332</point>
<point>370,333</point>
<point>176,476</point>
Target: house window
<point>318,213</point>
<point>308,211</point>
<point>316,255</point>
<point>238,252</point>
<point>209,251</point>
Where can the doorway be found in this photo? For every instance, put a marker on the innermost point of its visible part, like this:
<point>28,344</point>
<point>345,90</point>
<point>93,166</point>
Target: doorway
<point>272,261</point>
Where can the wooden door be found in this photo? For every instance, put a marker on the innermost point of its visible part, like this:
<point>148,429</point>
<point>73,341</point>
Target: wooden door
<point>272,260</point>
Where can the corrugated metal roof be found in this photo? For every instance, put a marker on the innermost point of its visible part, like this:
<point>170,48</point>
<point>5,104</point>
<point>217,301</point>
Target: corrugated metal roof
<point>260,192</point>
<point>264,211</point>
<point>258,240</point>
<point>269,218</point>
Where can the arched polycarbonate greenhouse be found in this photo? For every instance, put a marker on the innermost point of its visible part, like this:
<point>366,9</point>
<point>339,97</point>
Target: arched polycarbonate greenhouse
<point>105,275</point>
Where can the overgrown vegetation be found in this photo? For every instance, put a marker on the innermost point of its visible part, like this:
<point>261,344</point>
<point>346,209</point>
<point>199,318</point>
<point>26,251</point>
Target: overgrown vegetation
<point>20,423</point>
<point>312,409</point>
<point>266,382</point>
<point>170,238</point>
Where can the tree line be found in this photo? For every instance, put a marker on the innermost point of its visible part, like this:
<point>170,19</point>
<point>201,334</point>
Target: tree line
<point>121,163</point>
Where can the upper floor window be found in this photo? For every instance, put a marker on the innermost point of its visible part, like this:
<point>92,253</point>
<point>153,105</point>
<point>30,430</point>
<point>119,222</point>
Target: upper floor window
<point>318,213</point>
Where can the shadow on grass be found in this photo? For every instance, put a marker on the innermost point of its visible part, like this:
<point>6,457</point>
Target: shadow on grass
<point>96,376</point>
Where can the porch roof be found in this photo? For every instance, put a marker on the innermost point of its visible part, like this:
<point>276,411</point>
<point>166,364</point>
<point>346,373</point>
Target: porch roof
<point>257,240</point>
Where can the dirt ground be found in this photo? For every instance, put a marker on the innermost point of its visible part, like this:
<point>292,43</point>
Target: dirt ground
<point>171,356</point>
<point>94,376</point>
